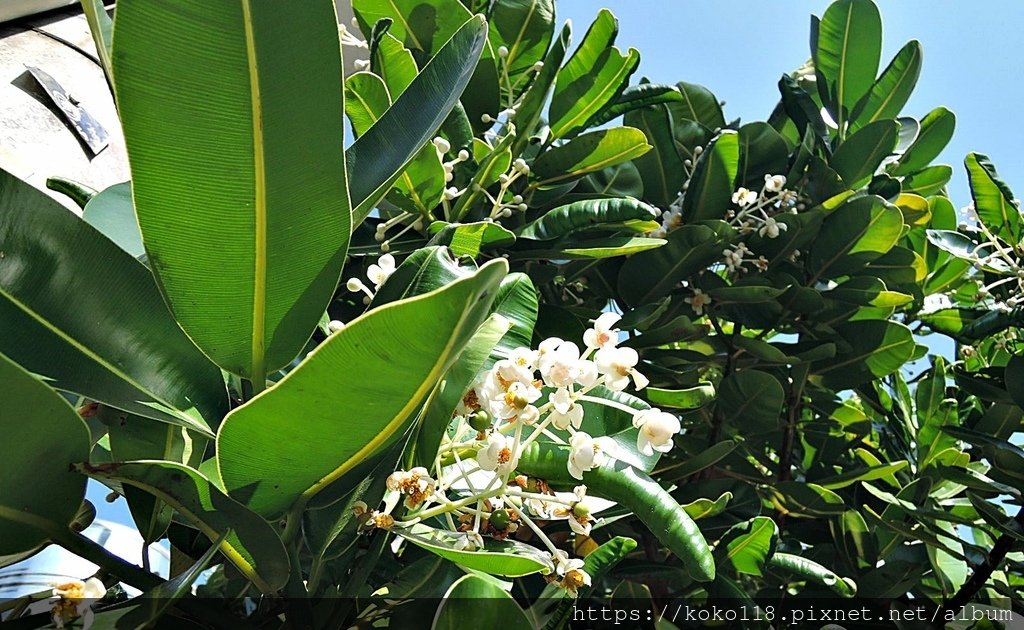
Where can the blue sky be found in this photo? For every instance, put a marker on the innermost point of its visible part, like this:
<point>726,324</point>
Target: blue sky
<point>739,48</point>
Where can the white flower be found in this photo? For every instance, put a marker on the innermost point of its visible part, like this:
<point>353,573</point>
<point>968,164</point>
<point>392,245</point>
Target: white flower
<point>470,541</point>
<point>774,183</point>
<point>580,517</point>
<point>743,197</point>
<point>603,335</point>
<point>772,228</point>
<point>585,454</point>
<point>497,454</point>
<point>561,366</point>
<point>733,258</point>
<point>618,365</point>
<point>523,358</point>
<point>936,302</point>
<point>698,301</point>
<point>379,272</point>
<point>566,412</point>
<point>514,372</point>
<point>75,599</point>
<point>571,571</point>
<point>529,415</point>
<point>656,430</point>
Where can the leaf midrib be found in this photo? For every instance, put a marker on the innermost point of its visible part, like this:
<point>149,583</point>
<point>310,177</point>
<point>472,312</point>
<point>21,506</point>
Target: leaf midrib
<point>259,298</point>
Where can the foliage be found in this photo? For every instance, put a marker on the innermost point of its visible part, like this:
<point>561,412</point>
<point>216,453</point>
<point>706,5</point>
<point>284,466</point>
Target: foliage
<point>674,359</point>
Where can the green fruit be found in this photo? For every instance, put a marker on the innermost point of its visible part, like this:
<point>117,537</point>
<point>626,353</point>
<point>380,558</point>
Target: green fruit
<point>499,519</point>
<point>480,420</point>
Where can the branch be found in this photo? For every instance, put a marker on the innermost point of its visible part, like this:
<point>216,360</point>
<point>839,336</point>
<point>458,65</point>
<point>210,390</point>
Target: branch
<point>981,574</point>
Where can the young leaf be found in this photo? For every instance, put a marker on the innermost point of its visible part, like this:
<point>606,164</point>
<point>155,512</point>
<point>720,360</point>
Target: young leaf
<point>993,200</point>
<point>892,90</point>
<point>935,133</point>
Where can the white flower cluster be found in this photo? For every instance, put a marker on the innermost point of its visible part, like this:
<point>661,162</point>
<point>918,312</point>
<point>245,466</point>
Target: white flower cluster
<point>376,273</point>
<point>530,394</point>
<point>70,601</point>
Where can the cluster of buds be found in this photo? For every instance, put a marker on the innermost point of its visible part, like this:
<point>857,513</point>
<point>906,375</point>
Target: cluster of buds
<point>377,274</point>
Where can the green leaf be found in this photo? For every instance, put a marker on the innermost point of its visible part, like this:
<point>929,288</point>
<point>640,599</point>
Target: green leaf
<point>993,200</point>
<point>112,213</point>
<point>749,544</point>
<point>750,401</point>
<point>867,291</point>
<point>420,186</point>
<point>516,301</point>
<point>763,151</point>
<point>133,438</point>
<point>690,248</point>
<point>587,214</point>
<point>394,63</point>
<point>705,459</point>
<point>250,543</point>
<point>589,152</point>
<point>524,27</point>
<point>406,345</point>
<point>594,76</point>
<point>876,348</point>
<point>468,239</point>
<point>43,437</point>
<point>857,159</point>
<point>661,169</point>
<point>531,106</point>
<point>128,352</point>
<point>505,558</point>
<point>928,181</point>
<point>634,490</point>
<point>935,133</point>
<point>806,499</point>
<point>461,606</point>
<point>608,247</point>
<point>869,473</point>
<point>413,120</point>
<point>810,570</point>
<point>687,398</point>
<point>856,233</point>
<point>714,175</point>
<point>706,508</point>
<point>698,105</point>
<point>847,48</point>
<point>892,90</point>
<point>214,133</point>
<point>636,97</point>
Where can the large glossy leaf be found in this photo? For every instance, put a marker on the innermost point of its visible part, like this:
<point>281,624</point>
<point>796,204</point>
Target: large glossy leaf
<point>846,48</point>
<point>714,175</point>
<point>524,27</point>
<point>595,75</point>
<point>876,348</point>
<point>237,165</point>
<point>892,89</point>
<point>506,558</point>
<point>421,184</point>
<point>993,200</point>
<point>589,152</point>
<point>90,319</point>
<point>591,213</point>
<point>698,105</point>
<point>750,401</point>
<point>853,235</point>
<point>661,169</point>
<point>638,96</point>
<point>461,604</point>
<point>763,151</point>
<point>935,133</point>
<point>857,159</point>
<point>250,542</point>
<point>43,436</point>
<point>405,345</point>
<point>650,276</point>
<point>412,120</point>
